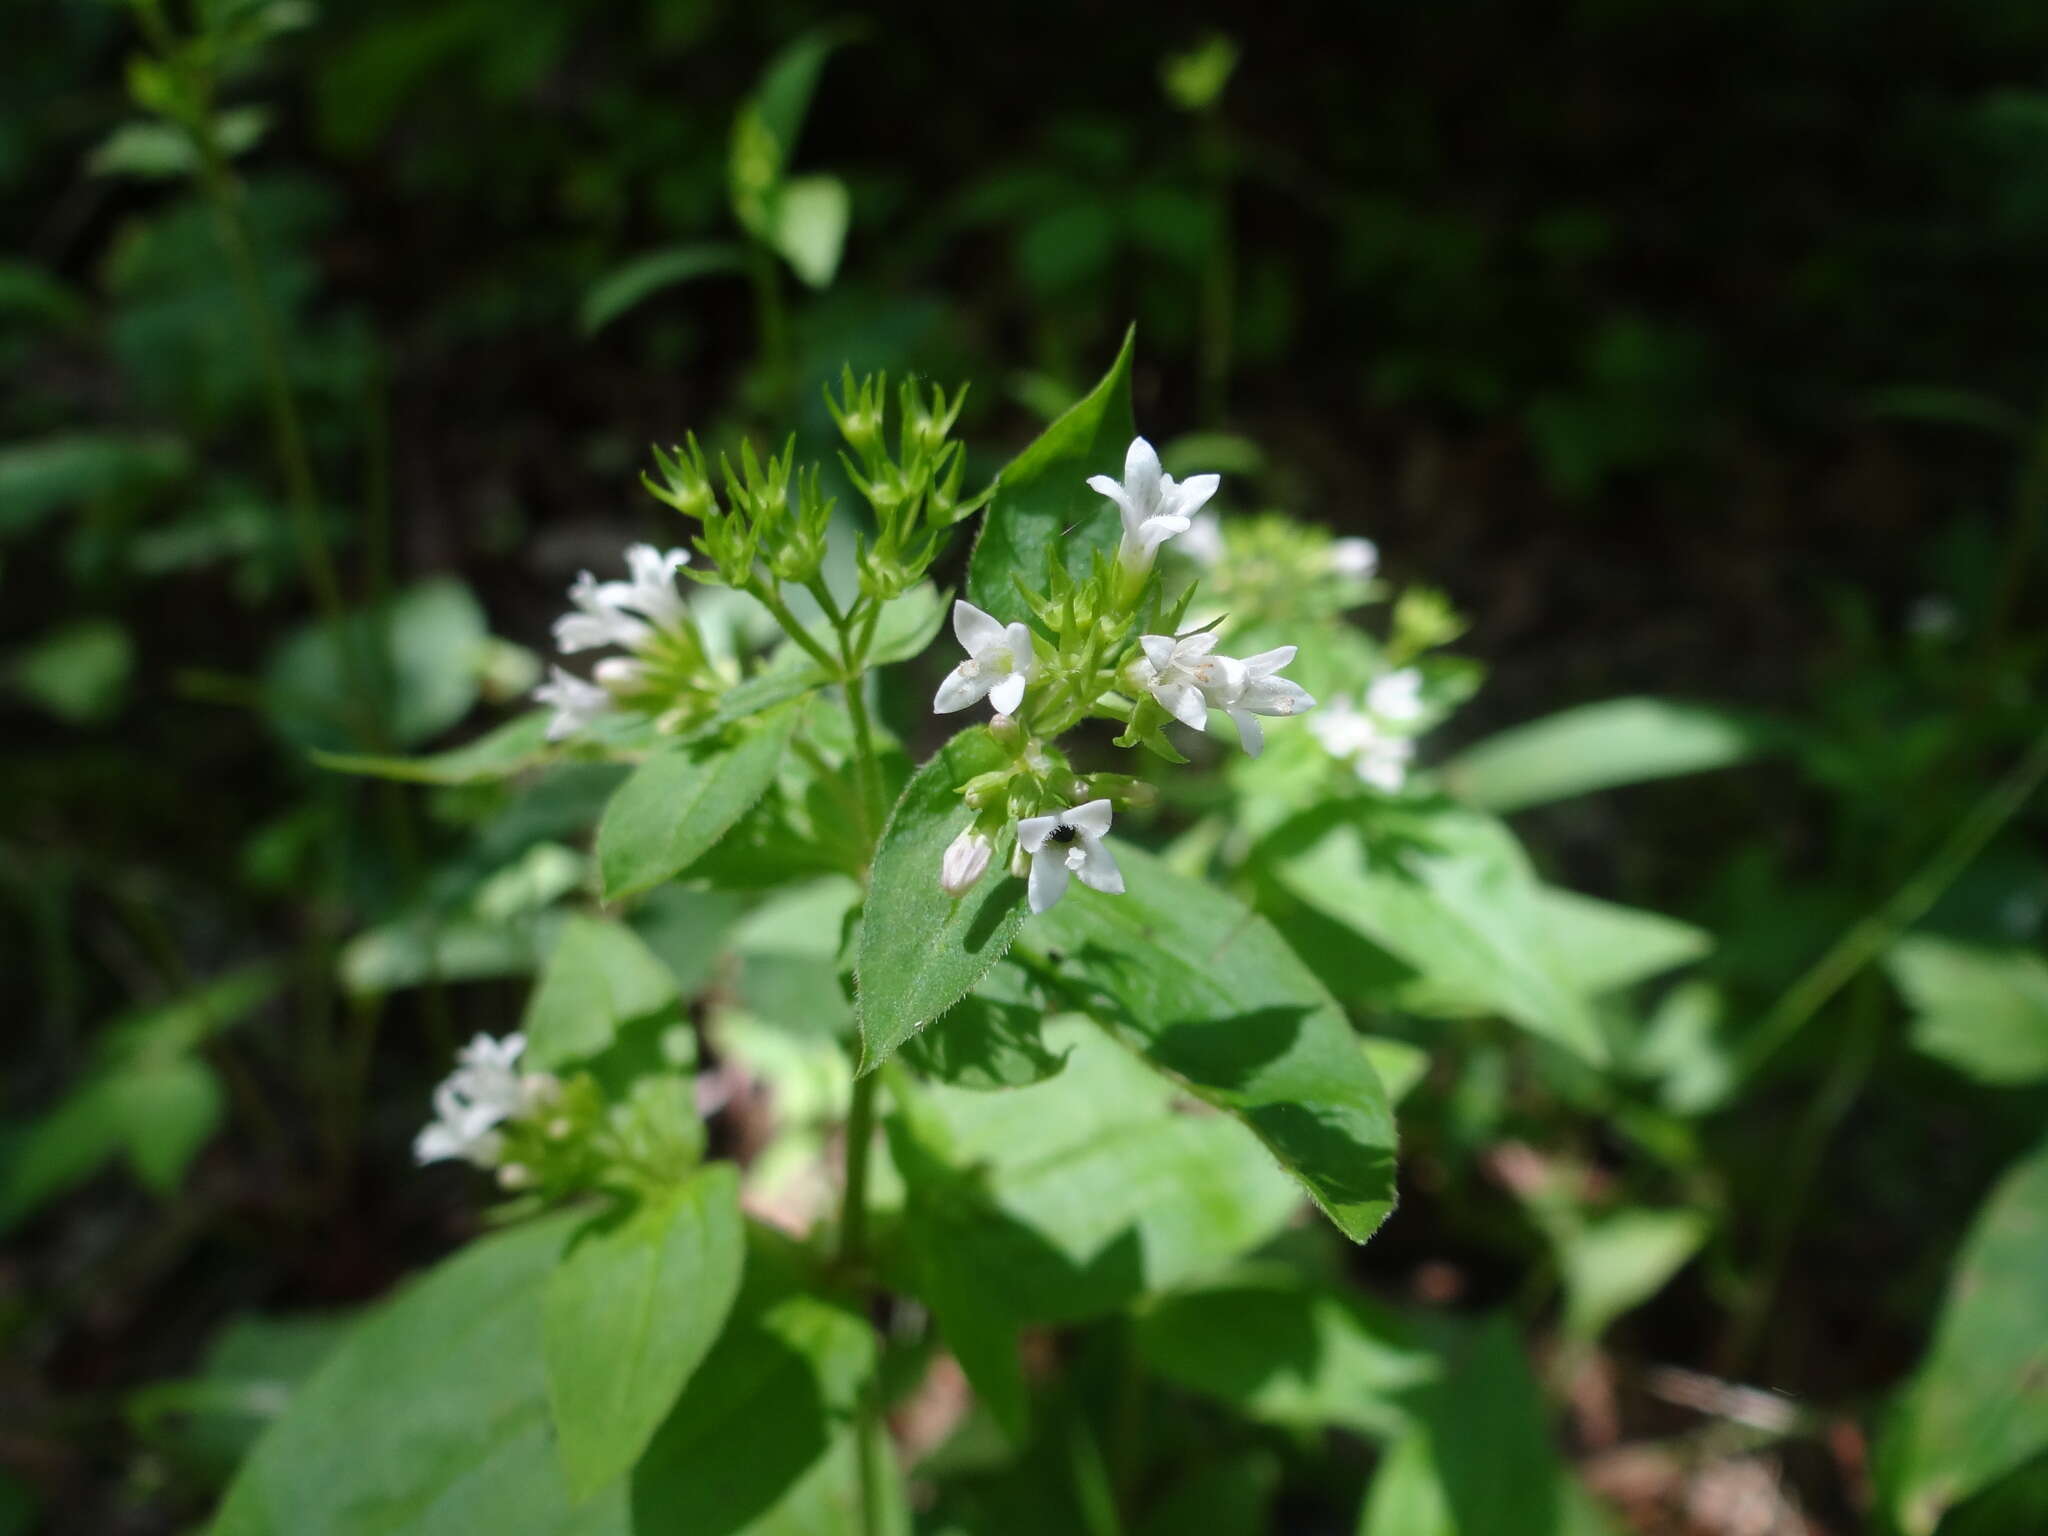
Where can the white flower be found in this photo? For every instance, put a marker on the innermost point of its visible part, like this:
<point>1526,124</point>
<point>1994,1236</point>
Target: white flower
<point>1378,757</point>
<point>599,619</point>
<point>575,703</point>
<point>999,663</point>
<point>1246,689</point>
<point>624,613</point>
<point>1358,558</point>
<point>485,1090</point>
<point>1396,697</point>
<point>1066,844</point>
<point>964,862</point>
<point>1154,507</point>
<point>1179,673</point>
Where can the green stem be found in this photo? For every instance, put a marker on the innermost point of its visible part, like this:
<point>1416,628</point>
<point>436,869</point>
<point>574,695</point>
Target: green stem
<point>866,763</point>
<point>771,323</point>
<point>1875,933</point>
<point>773,602</point>
<point>853,1240</point>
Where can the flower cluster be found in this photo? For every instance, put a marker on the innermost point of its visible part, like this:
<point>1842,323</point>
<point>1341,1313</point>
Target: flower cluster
<point>475,1101</point>
<point>664,668</point>
<point>1369,733</point>
<point>1096,658</point>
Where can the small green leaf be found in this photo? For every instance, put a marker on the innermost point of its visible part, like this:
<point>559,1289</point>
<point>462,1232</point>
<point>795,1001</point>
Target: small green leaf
<point>49,474</point>
<point>626,287</point>
<point>1600,947</point>
<point>1283,1351</point>
<point>1208,992</point>
<point>682,800</point>
<point>431,1418</point>
<point>811,216</point>
<point>600,978</point>
<point>979,1331</point>
<point>1976,1409</point>
<point>1449,894</point>
<point>630,1312</point>
<point>1614,1264</point>
<point>1983,1011</point>
<point>505,750</point>
<point>1597,746</point>
<point>79,673</point>
<point>167,1111</point>
<point>921,950</point>
<point>1042,505</point>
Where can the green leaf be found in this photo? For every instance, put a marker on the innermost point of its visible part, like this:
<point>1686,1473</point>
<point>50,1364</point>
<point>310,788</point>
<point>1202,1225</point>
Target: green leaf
<point>52,473</point>
<point>630,1312</point>
<point>431,1419</point>
<point>1069,1199</point>
<point>762,1441</point>
<point>419,656</point>
<point>600,978</point>
<point>980,1332</point>
<point>505,750</point>
<point>1206,991</point>
<point>79,673</point>
<point>167,1111</point>
<point>682,800</point>
<point>1599,947</point>
<point>991,1038</point>
<point>1448,894</point>
<point>920,950</point>
<point>1983,1011</point>
<point>1481,1461</point>
<point>1042,505</point>
<point>1597,746</point>
<point>158,151</point>
<point>811,216</point>
<point>626,287</point>
<point>1976,1409</point>
<point>1283,1351</point>
<point>1616,1263</point>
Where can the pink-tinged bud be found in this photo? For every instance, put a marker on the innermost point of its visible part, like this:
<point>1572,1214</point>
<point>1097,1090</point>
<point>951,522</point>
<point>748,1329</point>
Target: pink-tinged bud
<point>965,862</point>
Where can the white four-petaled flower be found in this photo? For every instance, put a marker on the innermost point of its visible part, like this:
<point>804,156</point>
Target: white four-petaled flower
<point>1067,844</point>
<point>1396,697</point>
<point>999,663</point>
<point>485,1090</point>
<point>1154,506</point>
<point>629,614</point>
<point>1188,678</point>
<point>1376,755</point>
<point>575,703</point>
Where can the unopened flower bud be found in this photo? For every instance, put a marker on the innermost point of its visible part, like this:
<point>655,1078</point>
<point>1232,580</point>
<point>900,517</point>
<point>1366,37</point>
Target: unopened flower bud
<point>1006,730</point>
<point>965,861</point>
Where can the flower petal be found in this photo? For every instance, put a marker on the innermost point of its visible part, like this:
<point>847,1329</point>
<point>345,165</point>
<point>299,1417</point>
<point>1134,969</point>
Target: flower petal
<point>1091,818</point>
<point>1032,832</point>
<point>1190,495</point>
<point>1048,880</point>
<point>1276,696</point>
<point>1250,734</point>
<point>1098,869</point>
<point>1141,474</point>
<point>1023,652</point>
<point>960,689</point>
<point>1266,663</point>
<point>1159,650</point>
<point>1008,694</point>
<point>975,630</point>
<point>1185,703</point>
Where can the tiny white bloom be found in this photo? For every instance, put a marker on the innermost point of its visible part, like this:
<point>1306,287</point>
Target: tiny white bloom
<point>1246,689</point>
<point>651,591</point>
<point>999,663</point>
<point>1179,673</point>
<point>1396,697</point>
<point>599,620</point>
<point>1376,756</point>
<point>485,1090</point>
<point>575,703</point>
<point>1066,844</point>
<point>1358,558</point>
<point>1203,542</point>
<point>1154,506</point>
<point>964,862</point>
